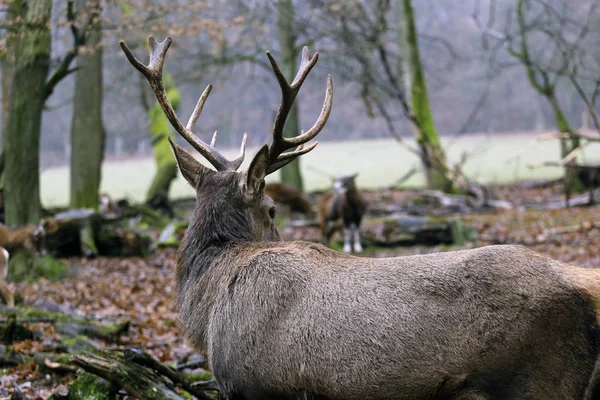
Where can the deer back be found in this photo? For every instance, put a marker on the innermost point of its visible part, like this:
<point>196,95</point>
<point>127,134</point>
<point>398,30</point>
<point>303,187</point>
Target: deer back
<point>29,237</point>
<point>279,318</point>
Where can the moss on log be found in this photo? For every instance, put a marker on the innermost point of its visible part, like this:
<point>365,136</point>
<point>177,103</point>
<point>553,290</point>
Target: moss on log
<point>139,374</point>
<point>88,386</point>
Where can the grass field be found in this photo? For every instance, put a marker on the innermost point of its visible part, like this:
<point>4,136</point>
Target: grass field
<point>494,158</point>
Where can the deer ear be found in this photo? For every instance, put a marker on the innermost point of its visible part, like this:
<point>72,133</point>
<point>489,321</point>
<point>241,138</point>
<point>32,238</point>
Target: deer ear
<point>257,171</point>
<point>191,169</point>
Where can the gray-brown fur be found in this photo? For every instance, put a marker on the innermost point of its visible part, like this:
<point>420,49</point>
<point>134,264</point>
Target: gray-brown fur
<point>343,203</point>
<point>282,319</point>
<point>297,320</point>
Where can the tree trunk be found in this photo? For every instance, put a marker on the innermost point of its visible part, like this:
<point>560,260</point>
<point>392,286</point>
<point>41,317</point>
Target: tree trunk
<point>432,154</point>
<point>87,129</point>
<point>573,182</point>
<point>166,167</point>
<point>29,55</point>
<point>290,174</point>
<point>562,124</point>
<point>6,89</point>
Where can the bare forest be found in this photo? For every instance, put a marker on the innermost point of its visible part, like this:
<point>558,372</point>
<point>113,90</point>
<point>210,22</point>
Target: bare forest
<point>170,228</point>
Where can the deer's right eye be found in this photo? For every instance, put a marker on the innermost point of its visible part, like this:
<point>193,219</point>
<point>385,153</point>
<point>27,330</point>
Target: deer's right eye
<point>272,212</point>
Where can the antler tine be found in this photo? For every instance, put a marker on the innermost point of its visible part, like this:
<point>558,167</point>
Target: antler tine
<point>306,65</point>
<point>320,123</point>
<point>288,94</point>
<point>288,157</point>
<point>153,73</point>
<point>240,158</point>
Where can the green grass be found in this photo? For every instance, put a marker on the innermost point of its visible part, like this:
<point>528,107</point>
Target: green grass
<point>494,158</point>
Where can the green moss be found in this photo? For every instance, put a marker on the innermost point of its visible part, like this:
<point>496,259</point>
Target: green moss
<point>170,322</point>
<point>199,377</point>
<point>78,344</point>
<point>39,313</point>
<point>91,387</point>
<point>29,267</point>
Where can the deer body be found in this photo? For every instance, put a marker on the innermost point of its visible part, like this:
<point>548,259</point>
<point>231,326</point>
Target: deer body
<point>287,319</point>
<point>30,238</point>
<point>343,203</point>
<point>298,320</point>
<point>289,196</point>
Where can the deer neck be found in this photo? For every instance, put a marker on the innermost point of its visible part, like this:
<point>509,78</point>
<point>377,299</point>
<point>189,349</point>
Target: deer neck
<point>208,246</point>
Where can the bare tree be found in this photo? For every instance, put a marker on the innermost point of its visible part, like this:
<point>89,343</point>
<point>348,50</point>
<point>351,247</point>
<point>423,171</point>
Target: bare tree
<point>550,39</point>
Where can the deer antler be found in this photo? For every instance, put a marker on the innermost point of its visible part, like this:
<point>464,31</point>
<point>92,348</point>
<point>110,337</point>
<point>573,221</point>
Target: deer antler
<point>153,73</point>
<point>277,157</point>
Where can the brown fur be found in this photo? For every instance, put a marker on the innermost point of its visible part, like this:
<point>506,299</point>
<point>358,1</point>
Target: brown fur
<point>342,207</point>
<point>29,237</point>
<point>289,196</point>
<point>12,241</point>
<point>106,205</point>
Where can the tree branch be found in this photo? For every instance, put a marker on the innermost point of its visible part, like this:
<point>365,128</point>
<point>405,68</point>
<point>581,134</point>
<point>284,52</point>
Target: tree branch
<point>79,38</point>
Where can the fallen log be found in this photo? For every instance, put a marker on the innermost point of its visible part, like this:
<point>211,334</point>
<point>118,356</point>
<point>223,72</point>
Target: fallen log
<point>67,325</point>
<point>406,230</point>
<point>84,232</point>
<point>139,374</point>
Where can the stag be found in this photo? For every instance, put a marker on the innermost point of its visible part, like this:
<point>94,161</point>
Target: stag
<point>344,203</point>
<point>283,320</point>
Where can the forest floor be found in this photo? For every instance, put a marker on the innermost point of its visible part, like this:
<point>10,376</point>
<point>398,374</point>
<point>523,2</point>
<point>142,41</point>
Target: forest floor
<point>141,289</point>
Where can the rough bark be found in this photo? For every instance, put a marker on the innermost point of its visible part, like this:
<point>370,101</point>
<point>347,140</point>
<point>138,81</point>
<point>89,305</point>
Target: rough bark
<point>29,55</point>
<point>290,174</point>
<point>166,167</point>
<point>87,129</point>
<point>432,154</point>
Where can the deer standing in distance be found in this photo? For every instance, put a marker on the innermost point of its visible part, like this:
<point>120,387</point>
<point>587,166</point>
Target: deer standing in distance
<point>29,238</point>
<point>290,197</point>
<point>344,202</point>
<point>296,320</point>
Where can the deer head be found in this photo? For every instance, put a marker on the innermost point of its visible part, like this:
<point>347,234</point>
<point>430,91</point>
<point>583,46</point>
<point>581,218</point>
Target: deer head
<point>232,204</point>
<point>344,182</point>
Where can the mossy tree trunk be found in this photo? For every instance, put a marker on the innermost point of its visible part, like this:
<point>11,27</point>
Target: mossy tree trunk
<point>290,174</point>
<point>29,56</point>
<point>432,153</point>
<point>6,88</point>
<point>166,167</point>
<point>87,129</point>
<point>541,81</point>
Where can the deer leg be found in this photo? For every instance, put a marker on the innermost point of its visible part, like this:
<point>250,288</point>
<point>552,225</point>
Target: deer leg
<point>347,239</point>
<point>5,292</point>
<point>357,246</point>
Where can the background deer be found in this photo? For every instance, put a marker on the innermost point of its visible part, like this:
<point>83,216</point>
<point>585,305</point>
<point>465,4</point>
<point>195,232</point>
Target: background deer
<point>290,197</point>
<point>30,238</point>
<point>344,202</point>
<point>298,320</point>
